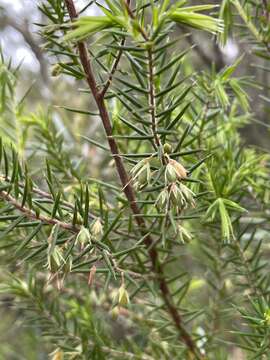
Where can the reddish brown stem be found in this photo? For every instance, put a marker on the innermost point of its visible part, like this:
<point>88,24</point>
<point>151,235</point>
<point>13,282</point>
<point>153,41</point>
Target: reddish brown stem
<point>30,214</point>
<point>129,193</point>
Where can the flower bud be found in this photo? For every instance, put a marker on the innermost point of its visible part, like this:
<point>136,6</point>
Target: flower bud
<point>167,148</point>
<point>83,237</point>
<point>97,228</point>
<point>79,219</point>
<point>123,298</point>
<point>183,234</point>
<point>92,273</point>
<point>142,172</point>
<point>175,195</point>
<point>138,166</point>
<point>56,70</point>
<point>54,260</point>
<point>143,177</point>
<point>115,312</point>
<point>187,194</point>
<point>67,266</point>
<point>162,200</point>
<point>53,265</point>
<point>170,174</point>
<point>179,169</point>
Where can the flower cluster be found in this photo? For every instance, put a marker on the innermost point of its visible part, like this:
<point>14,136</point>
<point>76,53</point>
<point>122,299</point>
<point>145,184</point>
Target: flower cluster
<point>175,194</point>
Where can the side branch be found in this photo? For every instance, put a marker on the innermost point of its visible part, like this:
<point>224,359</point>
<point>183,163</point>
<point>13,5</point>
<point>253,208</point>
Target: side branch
<point>114,67</point>
<point>113,70</point>
<point>30,214</point>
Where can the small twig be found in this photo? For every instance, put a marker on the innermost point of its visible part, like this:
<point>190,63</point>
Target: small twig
<point>141,29</point>
<point>113,70</point>
<point>114,67</point>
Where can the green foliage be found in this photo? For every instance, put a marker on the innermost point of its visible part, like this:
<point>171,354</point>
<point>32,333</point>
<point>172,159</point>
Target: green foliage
<point>167,260</point>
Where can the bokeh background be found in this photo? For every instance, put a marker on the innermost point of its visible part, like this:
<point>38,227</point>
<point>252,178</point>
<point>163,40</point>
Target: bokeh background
<point>20,40</point>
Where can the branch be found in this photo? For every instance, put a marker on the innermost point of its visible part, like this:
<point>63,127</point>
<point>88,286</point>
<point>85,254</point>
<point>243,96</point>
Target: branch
<point>45,195</point>
<point>129,191</point>
<point>32,215</point>
<point>68,205</point>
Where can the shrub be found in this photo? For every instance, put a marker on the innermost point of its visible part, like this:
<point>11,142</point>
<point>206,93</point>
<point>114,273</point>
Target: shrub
<point>168,259</point>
